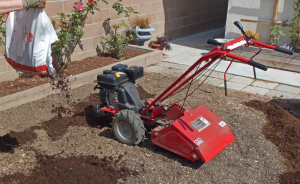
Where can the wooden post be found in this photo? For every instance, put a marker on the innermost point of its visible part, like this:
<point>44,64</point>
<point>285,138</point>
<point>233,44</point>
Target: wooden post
<point>275,11</point>
<point>274,16</point>
<point>299,20</point>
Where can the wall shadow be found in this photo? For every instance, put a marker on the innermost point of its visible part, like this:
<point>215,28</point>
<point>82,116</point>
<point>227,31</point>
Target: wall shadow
<point>190,17</point>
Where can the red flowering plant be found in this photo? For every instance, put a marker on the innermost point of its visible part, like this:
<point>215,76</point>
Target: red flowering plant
<point>70,32</point>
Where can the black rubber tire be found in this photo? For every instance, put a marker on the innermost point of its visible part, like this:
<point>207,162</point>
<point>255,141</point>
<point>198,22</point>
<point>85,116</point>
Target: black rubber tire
<point>136,125</point>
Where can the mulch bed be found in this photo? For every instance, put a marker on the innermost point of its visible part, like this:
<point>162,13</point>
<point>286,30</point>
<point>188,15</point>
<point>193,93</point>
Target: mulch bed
<point>282,129</point>
<point>73,68</point>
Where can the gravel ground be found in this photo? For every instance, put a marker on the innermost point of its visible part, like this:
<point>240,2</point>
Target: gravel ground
<point>249,159</point>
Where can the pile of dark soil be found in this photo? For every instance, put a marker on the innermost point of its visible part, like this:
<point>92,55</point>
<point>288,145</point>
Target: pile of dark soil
<point>14,139</point>
<point>73,68</point>
<point>83,169</point>
<point>292,106</point>
<point>282,129</point>
<point>83,115</point>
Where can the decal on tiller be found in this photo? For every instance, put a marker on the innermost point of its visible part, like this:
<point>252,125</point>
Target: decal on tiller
<point>233,46</point>
<point>200,124</point>
<point>222,124</point>
<point>198,141</point>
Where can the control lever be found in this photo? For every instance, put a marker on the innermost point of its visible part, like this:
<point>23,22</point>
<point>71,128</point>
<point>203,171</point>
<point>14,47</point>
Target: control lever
<point>239,25</point>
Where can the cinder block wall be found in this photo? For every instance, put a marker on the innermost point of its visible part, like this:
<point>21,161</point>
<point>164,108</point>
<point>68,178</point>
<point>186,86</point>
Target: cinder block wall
<point>186,17</point>
<point>172,18</point>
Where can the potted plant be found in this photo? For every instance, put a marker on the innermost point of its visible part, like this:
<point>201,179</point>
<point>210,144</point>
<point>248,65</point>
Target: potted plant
<point>160,43</point>
<point>141,29</point>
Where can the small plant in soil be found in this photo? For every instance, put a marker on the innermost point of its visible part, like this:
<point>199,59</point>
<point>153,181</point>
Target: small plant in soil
<point>162,42</point>
<point>294,30</point>
<point>142,21</point>
<point>276,32</point>
<point>221,88</point>
<point>115,43</point>
<point>276,97</point>
<point>2,29</point>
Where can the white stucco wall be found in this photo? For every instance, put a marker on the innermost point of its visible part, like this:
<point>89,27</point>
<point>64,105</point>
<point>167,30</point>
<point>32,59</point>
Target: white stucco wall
<point>261,10</point>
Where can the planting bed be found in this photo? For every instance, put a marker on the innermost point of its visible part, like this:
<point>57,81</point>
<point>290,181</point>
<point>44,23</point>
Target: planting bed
<point>58,140</point>
<point>73,68</point>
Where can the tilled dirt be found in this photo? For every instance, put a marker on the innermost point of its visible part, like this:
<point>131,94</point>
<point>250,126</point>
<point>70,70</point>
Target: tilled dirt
<point>82,115</point>
<point>249,159</point>
<point>282,129</point>
<point>70,170</point>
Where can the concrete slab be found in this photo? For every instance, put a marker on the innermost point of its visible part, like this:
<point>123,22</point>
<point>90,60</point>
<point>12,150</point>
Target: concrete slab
<point>297,97</point>
<point>183,54</point>
<point>154,68</point>
<point>235,86</point>
<point>256,90</point>
<point>220,75</point>
<point>241,80</point>
<point>266,85</point>
<point>289,89</point>
<point>167,64</point>
<point>181,67</point>
<point>281,94</point>
<point>188,50</point>
<point>214,81</point>
<point>172,71</point>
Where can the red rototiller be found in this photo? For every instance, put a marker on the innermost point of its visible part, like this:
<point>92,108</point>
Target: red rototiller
<point>194,134</point>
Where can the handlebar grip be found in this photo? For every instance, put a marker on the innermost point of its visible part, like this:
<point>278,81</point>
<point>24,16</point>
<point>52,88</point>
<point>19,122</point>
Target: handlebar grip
<point>286,51</point>
<point>258,65</point>
<point>238,25</point>
<point>214,42</point>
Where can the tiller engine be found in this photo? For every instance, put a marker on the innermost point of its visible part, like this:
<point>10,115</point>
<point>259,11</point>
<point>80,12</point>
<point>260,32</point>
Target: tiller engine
<point>194,134</point>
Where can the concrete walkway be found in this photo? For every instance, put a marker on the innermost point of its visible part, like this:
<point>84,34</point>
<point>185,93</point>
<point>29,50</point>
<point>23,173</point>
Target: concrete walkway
<point>260,87</point>
<point>273,83</point>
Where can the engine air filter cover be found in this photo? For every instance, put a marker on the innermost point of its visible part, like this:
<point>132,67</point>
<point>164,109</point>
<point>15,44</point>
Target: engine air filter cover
<point>110,81</point>
<point>119,67</point>
<point>134,72</point>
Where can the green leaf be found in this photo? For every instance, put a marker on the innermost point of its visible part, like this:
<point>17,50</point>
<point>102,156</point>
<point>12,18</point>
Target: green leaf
<point>273,32</point>
<point>280,31</point>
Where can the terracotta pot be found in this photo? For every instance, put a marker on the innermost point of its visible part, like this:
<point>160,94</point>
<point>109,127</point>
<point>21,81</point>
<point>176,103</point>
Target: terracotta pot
<point>156,46</point>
